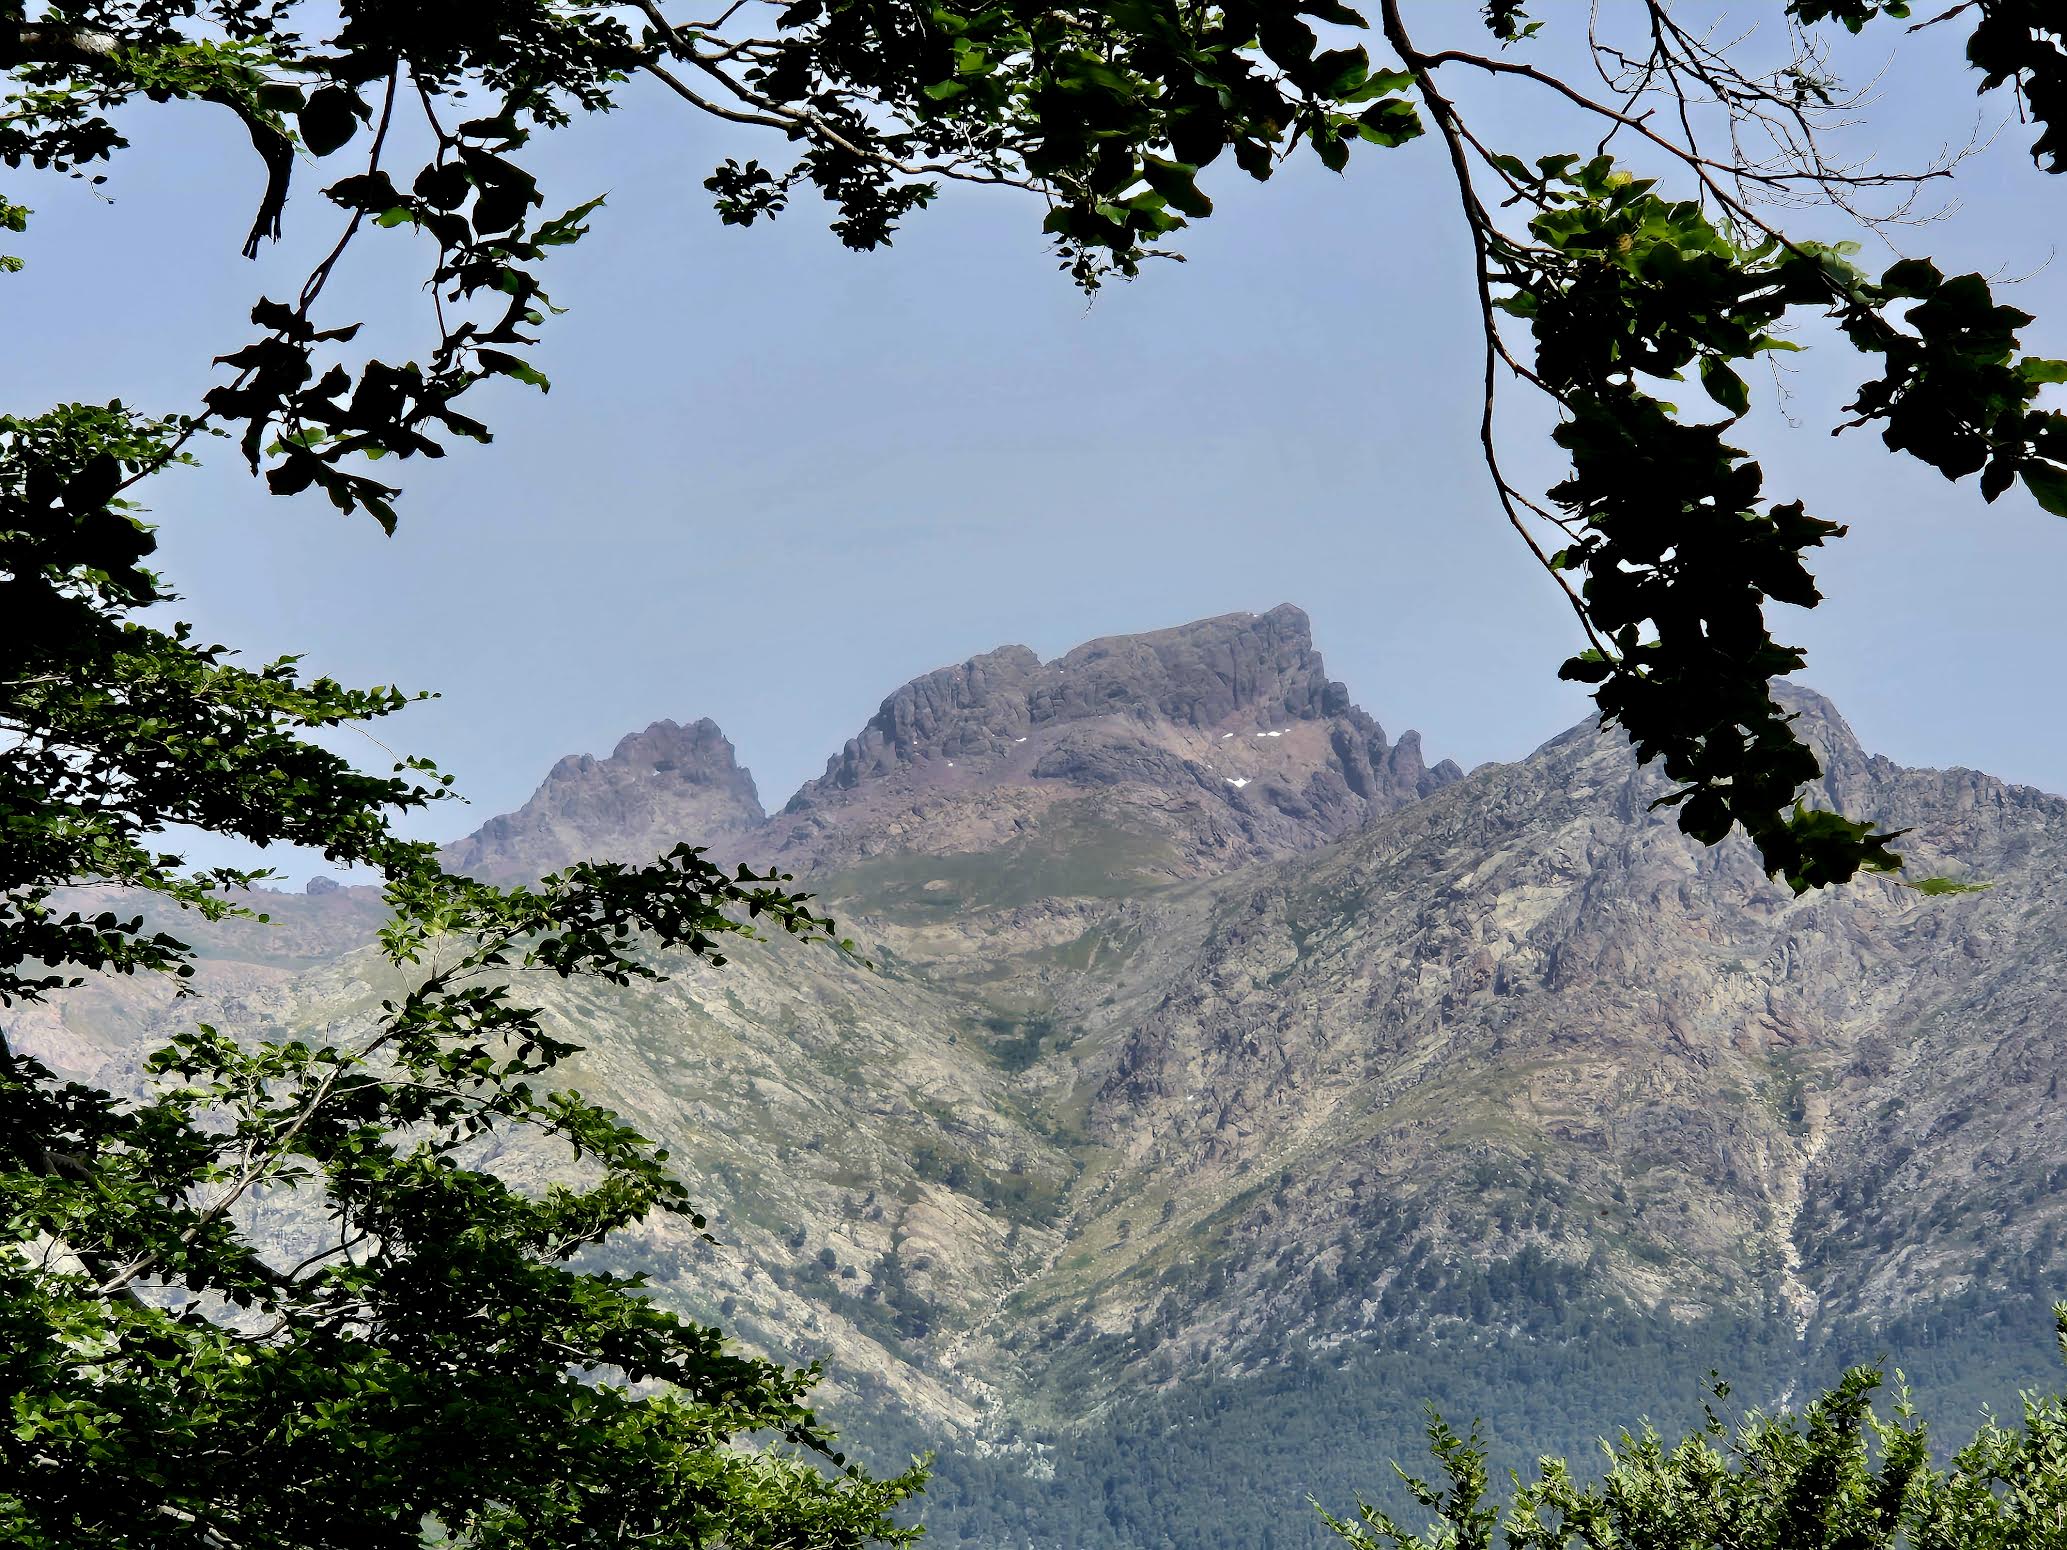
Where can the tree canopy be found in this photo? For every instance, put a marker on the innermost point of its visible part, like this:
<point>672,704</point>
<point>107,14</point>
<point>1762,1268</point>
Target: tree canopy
<point>1835,1473</point>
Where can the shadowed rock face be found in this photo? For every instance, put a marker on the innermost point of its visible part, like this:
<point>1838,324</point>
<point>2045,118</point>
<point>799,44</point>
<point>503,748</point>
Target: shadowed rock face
<point>659,788</point>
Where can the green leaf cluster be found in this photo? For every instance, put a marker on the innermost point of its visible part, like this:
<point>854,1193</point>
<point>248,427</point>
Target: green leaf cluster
<point>426,1361</point>
<point>429,1361</point>
<point>1676,545</point>
<point>1110,114</point>
<point>122,729</point>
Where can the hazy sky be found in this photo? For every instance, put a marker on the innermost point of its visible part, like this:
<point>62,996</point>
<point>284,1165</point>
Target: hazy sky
<point>774,479</point>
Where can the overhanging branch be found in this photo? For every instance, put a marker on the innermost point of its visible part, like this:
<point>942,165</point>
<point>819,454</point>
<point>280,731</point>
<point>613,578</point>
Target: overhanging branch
<point>39,43</point>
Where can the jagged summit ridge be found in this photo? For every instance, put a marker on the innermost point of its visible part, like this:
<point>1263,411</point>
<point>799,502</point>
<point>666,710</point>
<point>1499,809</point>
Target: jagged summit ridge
<point>1225,737</point>
<point>657,788</point>
<point>1173,694</point>
<point>1197,675</point>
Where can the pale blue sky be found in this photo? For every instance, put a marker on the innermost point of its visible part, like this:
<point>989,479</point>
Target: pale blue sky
<point>775,479</point>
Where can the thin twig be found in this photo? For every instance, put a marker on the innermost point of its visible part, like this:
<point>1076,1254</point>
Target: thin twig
<point>1479,223</point>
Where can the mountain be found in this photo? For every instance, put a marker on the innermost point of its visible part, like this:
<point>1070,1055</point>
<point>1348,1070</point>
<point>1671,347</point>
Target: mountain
<point>1207,746</point>
<point>1185,1135</point>
<point>1533,984</point>
<point>1212,744</point>
<point>656,788</point>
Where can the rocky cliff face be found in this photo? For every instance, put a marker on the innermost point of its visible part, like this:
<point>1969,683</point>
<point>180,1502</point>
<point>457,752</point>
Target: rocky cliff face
<point>659,788</point>
<point>1526,1016</point>
<point>1518,1016</point>
<point>1216,743</point>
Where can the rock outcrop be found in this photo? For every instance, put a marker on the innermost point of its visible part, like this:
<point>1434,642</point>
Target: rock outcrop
<point>659,788</point>
<point>1223,740</point>
<point>1179,753</point>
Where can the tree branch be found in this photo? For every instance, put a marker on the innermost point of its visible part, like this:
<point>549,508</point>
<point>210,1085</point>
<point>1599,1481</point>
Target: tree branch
<point>43,43</point>
<point>1480,225</point>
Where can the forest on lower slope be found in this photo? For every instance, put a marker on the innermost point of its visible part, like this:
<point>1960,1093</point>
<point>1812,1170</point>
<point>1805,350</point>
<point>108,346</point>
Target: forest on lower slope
<point>1223,1462</point>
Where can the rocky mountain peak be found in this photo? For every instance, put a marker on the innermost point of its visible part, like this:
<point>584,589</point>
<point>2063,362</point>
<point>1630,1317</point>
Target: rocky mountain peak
<point>1203,673</point>
<point>1214,743</point>
<point>1229,728</point>
<point>698,754</point>
<point>657,789</point>
<point>1196,675</point>
<point>1852,777</point>
<point>1233,674</point>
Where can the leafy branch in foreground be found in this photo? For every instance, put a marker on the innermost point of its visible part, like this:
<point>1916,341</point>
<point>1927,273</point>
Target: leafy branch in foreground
<point>1103,116</point>
<point>1836,1475</point>
<point>1675,546</point>
<point>278,1296</point>
<point>1619,285</point>
<point>420,1352</point>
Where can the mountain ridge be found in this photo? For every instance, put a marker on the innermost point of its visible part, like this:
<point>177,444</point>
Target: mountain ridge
<point>1228,728</point>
